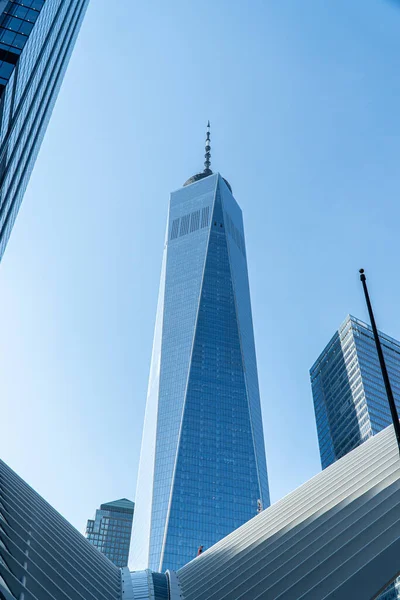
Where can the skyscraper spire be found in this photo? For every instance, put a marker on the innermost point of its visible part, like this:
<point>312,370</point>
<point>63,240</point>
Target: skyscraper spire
<point>207,156</point>
<point>207,164</point>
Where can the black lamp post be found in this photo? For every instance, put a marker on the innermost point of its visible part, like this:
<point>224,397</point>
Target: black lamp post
<point>392,404</point>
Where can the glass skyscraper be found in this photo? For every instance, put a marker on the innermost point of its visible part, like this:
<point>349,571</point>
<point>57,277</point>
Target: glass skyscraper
<point>110,530</point>
<point>36,41</point>
<point>350,400</point>
<point>202,469</point>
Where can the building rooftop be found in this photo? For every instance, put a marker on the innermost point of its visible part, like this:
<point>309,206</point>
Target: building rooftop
<point>121,504</point>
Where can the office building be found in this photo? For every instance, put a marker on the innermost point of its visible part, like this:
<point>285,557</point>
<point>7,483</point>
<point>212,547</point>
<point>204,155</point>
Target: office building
<point>36,41</point>
<point>350,400</point>
<point>336,537</point>
<point>202,469</point>
<point>110,530</point>
<point>349,394</point>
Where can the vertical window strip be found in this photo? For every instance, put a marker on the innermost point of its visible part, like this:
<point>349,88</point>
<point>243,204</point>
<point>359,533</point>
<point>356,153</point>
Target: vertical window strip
<point>175,229</point>
<point>194,221</point>
<point>205,216</point>
<point>184,225</point>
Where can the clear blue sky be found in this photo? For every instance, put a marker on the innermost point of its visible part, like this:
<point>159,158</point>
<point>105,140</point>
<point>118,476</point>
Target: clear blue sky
<point>303,99</point>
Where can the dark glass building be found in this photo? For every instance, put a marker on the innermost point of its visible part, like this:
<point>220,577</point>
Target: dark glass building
<point>36,41</point>
<point>202,469</point>
<point>349,394</point>
<point>350,400</point>
<point>110,530</point>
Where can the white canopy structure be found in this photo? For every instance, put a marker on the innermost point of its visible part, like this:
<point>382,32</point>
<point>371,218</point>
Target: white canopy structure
<point>335,537</point>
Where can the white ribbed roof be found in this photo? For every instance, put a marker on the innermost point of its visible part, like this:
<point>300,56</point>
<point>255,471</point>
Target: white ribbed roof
<point>337,536</point>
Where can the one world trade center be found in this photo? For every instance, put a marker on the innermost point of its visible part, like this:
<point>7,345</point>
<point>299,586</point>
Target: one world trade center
<point>202,469</point>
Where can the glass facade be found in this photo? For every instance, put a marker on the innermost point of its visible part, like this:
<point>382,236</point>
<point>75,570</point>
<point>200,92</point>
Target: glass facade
<point>202,467</point>
<point>350,401</point>
<point>36,41</point>
<point>110,530</point>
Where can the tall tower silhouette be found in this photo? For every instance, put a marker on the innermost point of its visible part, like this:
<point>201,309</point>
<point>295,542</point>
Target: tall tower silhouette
<point>202,469</point>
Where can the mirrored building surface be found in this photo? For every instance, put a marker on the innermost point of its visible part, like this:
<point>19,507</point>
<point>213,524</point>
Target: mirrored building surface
<point>110,530</point>
<point>202,470</point>
<point>349,394</point>
<point>36,41</point>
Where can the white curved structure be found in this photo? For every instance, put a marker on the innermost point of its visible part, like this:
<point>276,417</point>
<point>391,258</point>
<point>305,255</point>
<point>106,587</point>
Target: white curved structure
<point>337,536</point>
